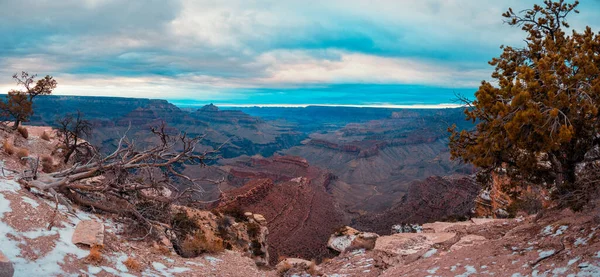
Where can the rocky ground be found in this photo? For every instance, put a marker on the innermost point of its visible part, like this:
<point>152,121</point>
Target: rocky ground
<point>39,239</point>
<point>558,243</point>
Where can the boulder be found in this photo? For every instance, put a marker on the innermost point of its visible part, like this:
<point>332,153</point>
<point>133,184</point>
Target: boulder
<point>408,247</point>
<point>6,266</point>
<point>468,240</point>
<point>294,262</point>
<point>441,227</point>
<point>294,267</point>
<point>89,232</point>
<point>260,219</point>
<point>349,238</point>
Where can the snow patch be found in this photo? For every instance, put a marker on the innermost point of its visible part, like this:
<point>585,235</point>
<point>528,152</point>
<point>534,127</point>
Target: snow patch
<point>50,263</point>
<point>212,260</point>
<point>560,230</point>
<point>547,253</point>
<point>194,263</point>
<point>573,261</point>
<point>469,270</point>
<point>9,185</point>
<point>433,270</point>
<point>547,230</point>
<point>34,204</point>
<point>430,253</point>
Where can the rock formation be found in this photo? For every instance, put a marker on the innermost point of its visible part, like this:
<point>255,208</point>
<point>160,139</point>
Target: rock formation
<point>432,199</point>
<point>292,197</point>
<point>376,161</point>
<point>244,235</point>
<point>348,238</point>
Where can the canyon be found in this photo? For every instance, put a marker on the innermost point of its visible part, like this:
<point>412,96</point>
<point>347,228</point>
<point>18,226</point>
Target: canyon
<point>308,170</point>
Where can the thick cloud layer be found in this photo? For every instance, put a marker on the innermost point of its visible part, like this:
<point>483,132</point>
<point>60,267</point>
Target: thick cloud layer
<point>261,51</point>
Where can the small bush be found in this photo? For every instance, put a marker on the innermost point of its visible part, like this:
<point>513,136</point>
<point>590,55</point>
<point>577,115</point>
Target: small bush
<point>23,131</point>
<point>236,212</point>
<point>253,230</point>
<point>183,225</point>
<point>312,269</point>
<point>22,153</point>
<point>325,260</point>
<point>161,249</point>
<point>528,203</point>
<point>48,164</point>
<point>132,264</point>
<point>200,243</point>
<point>9,149</point>
<point>45,136</point>
<point>95,256</point>
<point>285,267</point>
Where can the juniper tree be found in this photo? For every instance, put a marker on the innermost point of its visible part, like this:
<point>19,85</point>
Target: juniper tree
<point>539,119</point>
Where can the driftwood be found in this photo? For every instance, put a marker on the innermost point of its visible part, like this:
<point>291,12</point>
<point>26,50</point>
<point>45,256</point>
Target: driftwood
<point>133,178</point>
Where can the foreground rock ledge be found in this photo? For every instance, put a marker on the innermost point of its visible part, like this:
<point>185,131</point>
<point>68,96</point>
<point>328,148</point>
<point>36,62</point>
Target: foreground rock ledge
<point>89,232</point>
<point>6,266</point>
<point>348,238</point>
<point>408,247</point>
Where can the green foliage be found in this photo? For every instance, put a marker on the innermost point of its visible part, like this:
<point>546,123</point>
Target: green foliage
<point>539,119</point>
<point>18,105</point>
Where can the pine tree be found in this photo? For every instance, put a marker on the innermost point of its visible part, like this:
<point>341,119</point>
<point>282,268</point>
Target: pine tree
<point>539,119</point>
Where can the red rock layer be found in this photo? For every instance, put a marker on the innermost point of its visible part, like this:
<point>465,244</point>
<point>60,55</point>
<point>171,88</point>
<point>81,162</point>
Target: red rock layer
<point>293,198</point>
<point>432,199</point>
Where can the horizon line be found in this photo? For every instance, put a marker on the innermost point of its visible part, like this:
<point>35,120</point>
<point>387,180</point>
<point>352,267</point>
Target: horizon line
<point>381,106</point>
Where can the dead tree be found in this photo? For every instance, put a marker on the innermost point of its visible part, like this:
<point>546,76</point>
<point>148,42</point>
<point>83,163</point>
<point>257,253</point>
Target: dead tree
<point>71,130</point>
<point>134,179</point>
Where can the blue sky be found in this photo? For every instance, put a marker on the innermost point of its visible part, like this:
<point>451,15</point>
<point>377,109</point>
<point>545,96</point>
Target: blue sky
<point>262,52</point>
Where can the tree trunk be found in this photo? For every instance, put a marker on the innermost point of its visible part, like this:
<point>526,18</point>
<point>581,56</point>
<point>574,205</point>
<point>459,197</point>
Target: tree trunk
<point>71,149</point>
<point>68,154</point>
<point>17,123</point>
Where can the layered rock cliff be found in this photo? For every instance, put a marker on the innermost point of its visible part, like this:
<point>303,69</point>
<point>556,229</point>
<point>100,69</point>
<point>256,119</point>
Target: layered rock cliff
<point>292,197</point>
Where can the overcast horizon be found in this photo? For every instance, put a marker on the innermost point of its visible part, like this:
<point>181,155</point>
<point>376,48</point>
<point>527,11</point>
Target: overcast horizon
<point>348,53</point>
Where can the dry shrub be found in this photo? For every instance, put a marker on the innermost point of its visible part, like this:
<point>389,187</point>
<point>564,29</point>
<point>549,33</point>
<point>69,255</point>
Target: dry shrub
<point>45,136</point>
<point>132,264</point>
<point>285,267</point>
<point>48,164</point>
<point>253,230</point>
<point>95,256</point>
<point>164,250</point>
<point>236,212</point>
<point>195,241</point>
<point>528,203</point>
<point>9,149</point>
<point>312,268</point>
<point>23,131</point>
<point>200,243</point>
<point>22,153</point>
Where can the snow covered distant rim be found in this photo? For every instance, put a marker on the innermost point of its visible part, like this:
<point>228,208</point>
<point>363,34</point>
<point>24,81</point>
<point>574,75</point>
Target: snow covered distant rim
<point>383,106</point>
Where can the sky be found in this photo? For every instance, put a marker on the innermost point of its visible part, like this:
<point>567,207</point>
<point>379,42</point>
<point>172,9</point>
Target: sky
<point>274,52</point>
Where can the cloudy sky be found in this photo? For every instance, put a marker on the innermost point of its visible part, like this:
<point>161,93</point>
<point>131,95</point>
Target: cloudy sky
<point>262,52</point>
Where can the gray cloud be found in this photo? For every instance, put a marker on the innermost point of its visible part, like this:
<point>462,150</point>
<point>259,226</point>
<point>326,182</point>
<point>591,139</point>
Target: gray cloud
<point>211,44</point>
